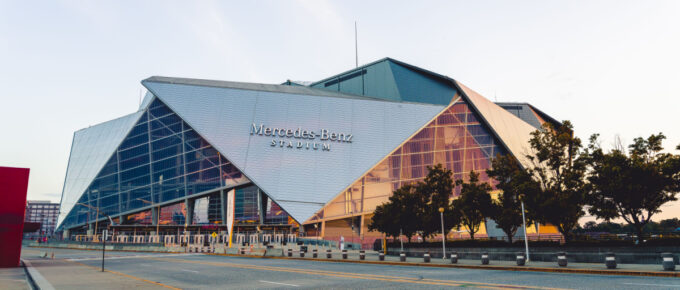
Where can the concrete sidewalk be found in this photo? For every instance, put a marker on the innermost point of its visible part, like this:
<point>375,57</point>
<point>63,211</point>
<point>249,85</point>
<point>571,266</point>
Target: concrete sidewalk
<point>13,278</point>
<point>583,268</point>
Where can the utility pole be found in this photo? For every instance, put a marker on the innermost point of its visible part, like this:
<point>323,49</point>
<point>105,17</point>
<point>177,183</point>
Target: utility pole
<point>356,46</point>
<point>524,223</point>
<point>441,214</point>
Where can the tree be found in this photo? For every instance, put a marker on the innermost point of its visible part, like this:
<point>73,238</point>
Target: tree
<point>514,181</point>
<point>474,203</point>
<point>436,190</point>
<point>632,186</point>
<point>398,214</point>
<point>558,165</point>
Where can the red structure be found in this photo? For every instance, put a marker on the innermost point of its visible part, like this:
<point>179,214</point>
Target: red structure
<point>13,187</point>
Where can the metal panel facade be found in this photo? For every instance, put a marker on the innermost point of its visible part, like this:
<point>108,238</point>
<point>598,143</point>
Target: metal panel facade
<point>300,179</point>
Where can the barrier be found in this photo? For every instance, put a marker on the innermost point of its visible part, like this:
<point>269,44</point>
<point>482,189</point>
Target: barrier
<point>122,239</point>
<point>381,256</point>
<point>266,238</point>
<point>668,261</point>
<point>402,256</point>
<point>199,240</point>
<point>253,239</point>
<point>213,240</point>
<point>240,239</point>
<point>485,258</point>
<point>562,259</point>
<point>426,257</point>
<point>138,239</point>
<point>610,260</point>
<point>278,238</point>
<point>521,258</point>
<point>292,238</point>
<point>154,239</point>
<point>454,257</point>
<point>169,240</point>
<point>362,255</point>
<point>328,254</point>
<point>184,239</point>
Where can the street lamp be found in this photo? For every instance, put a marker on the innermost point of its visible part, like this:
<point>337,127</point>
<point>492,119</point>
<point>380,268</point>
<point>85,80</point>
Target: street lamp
<point>104,233</point>
<point>524,224</point>
<point>441,215</point>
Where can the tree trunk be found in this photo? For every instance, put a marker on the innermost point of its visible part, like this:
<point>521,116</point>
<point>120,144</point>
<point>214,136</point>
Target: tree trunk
<point>638,230</point>
<point>509,237</point>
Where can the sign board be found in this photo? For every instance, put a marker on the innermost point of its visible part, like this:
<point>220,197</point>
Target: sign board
<point>214,235</point>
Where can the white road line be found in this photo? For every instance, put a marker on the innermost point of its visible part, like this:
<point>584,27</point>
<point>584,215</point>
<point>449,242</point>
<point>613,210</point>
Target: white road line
<point>192,271</point>
<point>292,285</point>
<point>657,285</point>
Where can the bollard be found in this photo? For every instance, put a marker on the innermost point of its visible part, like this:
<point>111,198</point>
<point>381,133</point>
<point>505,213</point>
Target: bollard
<point>402,256</point>
<point>381,256</point>
<point>454,257</point>
<point>290,252</point>
<point>328,253</point>
<point>562,259</point>
<point>302,254</point>
<point>362,255</point>
<point>521,259</point>
<point>610,260</point>
<point>426,257</point>
<point>344,254</point>
<point>485,258</point>
<point>668,261</point>
<point>315,253</point>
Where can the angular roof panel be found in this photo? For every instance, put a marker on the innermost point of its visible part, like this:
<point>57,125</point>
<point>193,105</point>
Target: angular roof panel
<point>512,131</point>
<point>300,180</point>
<point>91,149</point>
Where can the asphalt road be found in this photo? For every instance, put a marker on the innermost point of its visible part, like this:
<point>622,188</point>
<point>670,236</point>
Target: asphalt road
<point>199,271</point>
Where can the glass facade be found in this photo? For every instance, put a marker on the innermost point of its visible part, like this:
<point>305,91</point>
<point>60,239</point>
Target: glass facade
<point>161,159</point>
<point>246,205</point>
<point>455,138</point>
<point>207,210</point>
<point>173,215</point>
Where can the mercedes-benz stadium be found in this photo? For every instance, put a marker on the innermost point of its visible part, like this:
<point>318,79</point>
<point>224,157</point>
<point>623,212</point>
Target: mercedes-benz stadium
<point>308,158</point>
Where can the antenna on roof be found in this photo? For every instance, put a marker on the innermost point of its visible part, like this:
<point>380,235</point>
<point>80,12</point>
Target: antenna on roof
<point>356,46</point>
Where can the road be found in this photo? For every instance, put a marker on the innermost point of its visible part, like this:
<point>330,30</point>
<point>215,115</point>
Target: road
<point>200,271</point>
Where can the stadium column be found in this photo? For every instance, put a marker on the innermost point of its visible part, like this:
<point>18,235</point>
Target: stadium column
<point>323,229</point>
<point>154,216</point>
<point>223,206</point>
<point>190,211</point>
<point>260,205</point>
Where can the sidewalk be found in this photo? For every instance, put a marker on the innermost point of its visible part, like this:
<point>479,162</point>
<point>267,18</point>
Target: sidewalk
<point>62,274</point>
<point>583,268</point>
<point>13,278</point>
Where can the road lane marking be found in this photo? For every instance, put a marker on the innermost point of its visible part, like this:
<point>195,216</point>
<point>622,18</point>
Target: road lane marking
<point>130,276</point>
<point>185,270</point>
<point>657,285</point>
<point>356,275</point>
<point>278,283</point>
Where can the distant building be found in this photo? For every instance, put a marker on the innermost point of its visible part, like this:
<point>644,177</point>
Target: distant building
<point>43,212</point>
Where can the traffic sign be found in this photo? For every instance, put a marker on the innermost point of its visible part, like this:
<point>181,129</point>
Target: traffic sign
<point>214,235</point>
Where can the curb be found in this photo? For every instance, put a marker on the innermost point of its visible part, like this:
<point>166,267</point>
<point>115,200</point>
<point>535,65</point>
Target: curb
<point>76,249</point>
<point>35,279</point>
<point>673,274</point>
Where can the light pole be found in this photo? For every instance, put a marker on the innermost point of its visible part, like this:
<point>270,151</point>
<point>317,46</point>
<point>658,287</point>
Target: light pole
<point>441,215</point>
<point>103,232</point>
<point>524,224</point>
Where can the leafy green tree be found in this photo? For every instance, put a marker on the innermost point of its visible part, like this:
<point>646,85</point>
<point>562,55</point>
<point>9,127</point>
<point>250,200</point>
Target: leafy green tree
<point>559,167</point>
<point>436,190</point>
<point>398,214</point>
<point>474,203</point>
<point>632,186</point>
<point>514,181</point>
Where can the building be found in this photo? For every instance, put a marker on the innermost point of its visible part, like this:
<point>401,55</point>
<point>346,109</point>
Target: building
<point>315,157</point>
<point>43,212</point>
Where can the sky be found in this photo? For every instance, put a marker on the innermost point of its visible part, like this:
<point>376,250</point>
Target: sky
<point>610,67</point>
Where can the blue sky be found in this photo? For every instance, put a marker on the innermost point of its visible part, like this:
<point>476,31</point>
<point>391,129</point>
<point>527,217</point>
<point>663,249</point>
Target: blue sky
<point>611,67</point>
